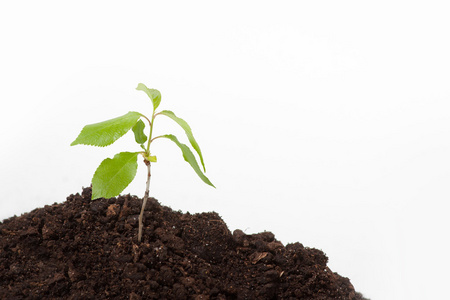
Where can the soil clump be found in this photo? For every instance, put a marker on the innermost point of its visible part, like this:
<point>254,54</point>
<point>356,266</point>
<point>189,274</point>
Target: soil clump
<point>88,249</point>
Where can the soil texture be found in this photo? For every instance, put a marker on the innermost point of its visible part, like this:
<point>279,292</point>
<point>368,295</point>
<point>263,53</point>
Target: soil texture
<point>88,249</point>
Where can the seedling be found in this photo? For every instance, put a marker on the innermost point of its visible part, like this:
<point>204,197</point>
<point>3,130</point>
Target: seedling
<point>114,175</point>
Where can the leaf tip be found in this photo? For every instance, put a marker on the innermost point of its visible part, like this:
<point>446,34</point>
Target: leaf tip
<point>140,86</point>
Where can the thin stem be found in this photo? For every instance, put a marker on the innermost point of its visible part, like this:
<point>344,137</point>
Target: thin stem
<point>151,131</point>
<point>148,120</point>
<point>156,137</point>
<point>144,202</point>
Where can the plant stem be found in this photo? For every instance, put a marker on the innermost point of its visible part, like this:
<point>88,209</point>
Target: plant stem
<point>151,131</point>
<point>144,202</point>
<point>149,122</point>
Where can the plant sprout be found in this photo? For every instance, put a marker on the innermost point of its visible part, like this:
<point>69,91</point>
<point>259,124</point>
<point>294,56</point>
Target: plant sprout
<point>114,175</point>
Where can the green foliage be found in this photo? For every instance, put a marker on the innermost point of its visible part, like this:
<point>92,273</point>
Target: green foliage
<point>139,134</point>
<point>114,175</point>
<point>153,94</point>
<point>189,157</point>
<point>107,132</point>
<point>188,131</point>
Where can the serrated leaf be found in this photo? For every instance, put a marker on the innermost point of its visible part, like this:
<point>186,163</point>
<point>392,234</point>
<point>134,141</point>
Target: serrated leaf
<point>188,131</point>
<point>114,175</point>
<point>139,134</point>
<point>107,132</point>
<point>189,157</point>
<point>153,94</point>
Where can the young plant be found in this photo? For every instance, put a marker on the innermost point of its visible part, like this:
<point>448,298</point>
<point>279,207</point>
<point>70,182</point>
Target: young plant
<point>114,175</point>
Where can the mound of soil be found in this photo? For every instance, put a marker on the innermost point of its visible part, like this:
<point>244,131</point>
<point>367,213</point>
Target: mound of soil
<point>84,249</point>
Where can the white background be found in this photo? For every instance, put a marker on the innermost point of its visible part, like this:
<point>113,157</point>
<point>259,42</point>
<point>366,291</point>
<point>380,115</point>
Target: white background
<point>325,122</point>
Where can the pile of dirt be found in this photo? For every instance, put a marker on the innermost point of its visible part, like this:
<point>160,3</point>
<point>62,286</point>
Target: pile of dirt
<point>84,249</point>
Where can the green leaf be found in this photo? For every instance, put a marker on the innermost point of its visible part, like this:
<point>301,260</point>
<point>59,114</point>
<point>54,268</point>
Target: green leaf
<point>139,134</point>
<point>153,94</point>
<point>114,175</point>
<point>107,132</point>
<point>189,157</point>
<point>188,131</point>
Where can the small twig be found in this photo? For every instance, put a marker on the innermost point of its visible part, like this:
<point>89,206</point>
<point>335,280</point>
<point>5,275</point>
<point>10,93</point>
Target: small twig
<point>144,202</point>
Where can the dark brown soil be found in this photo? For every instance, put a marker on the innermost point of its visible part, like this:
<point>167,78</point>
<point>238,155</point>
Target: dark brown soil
<point>83,249</point>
